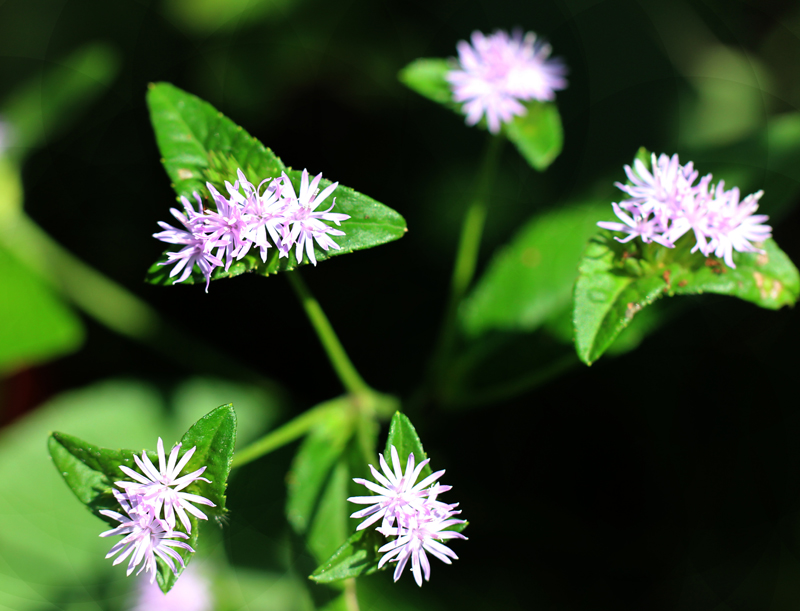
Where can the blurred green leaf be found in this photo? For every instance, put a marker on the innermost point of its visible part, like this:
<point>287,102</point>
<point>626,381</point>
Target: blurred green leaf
<point>427,78</point>
<point>199,144</point>
<point>35,325</point>
<point>312,464</point>
<point>330,525</point>
<point>358,556</point>
<point>49,544</point>
<point>403,436</point>
<point>211,16</point>
<point>50,101</point>
<point>617,280</point>
<point>538,135</point>
<point>532,278</point>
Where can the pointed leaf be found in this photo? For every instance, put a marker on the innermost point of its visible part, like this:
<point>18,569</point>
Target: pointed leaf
<point>214,436</point>
<point>403,436</point>
<point>90,471</point>
<point>618,280</point>
<point>426,76</point>
<point>330,525</point>
<point>199,144</point>
<point>358,556</point>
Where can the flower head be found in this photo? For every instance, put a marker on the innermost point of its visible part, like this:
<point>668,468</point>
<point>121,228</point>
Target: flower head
<point>192,592</point>
<point>497,72</point>
<point>665,204</point>
<point>161,488</point>
<point>272,216</point>
<point>146,537</point>
<point>411,513</point>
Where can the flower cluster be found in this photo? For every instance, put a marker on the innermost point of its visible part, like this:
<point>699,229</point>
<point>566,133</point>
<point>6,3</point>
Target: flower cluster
<point>410,512</point>
<point>249,217</point>
<point>666,204</point>
<point>151,504</point>
<point>498,71</point>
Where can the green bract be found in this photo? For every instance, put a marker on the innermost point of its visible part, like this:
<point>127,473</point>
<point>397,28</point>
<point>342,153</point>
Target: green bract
<point>538,135</point>
<point>199,144</point>
<point>90,472</point>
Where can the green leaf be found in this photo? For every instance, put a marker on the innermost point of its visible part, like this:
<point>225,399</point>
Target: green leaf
<point>199,144</point>
<point>426,76</point>
<point>403,436</point>
<point>616,281</point>
<point>90,472</point>
<point>532,278</point>
<point>538,135</point>
<point>214,436</point>
<point>197,141</point>
<point>48,102</point>
<point>36,325</point>
<point>320,450</point>
<point>358,556</point>
<point>330,525</point>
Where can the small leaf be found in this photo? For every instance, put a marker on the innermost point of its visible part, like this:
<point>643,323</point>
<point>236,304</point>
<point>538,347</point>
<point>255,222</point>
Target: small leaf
<point>330,524</point>
<point>538,134</point>
<point>199,144</point>
<point>214,436</point>
<point>403,436</point>
<point>358,556</point>
<point>426,76</point>
<point>617,280</point>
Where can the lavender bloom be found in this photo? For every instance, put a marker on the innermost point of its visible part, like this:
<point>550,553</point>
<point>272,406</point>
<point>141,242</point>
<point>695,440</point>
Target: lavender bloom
<point>498,71</point>
<point>161,488</point>
<point>147,537</point>
<point>398,495</point>
<point>666,204</point>
<point>415,537</point>
<point>197,245</point>
<point>304,225</point>
<point>192,592</point>
<point>248,217</point>
<point>411,513</point>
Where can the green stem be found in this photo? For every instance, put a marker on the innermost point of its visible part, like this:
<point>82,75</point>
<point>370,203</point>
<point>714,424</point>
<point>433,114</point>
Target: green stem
<point>350,596</point>
<point>341,363</point>
<point>467,253</point>
<point>294,429</point>
<point>106,301</point>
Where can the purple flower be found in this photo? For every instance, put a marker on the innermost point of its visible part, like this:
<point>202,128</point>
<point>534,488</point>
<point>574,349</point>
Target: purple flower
<point>304,225</point>
<point>666,204</point>
<point>498,71</point>
<point>397,494</point>
<point>192,592</point>
<point>247,217</point>
<point>146,537</point>
<point>411,513</point>
<point>197,245</point>
<point>415,537</point>
<point>161,488</point>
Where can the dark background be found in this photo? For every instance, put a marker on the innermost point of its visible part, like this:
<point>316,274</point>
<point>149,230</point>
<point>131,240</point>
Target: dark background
<point>666,478</point>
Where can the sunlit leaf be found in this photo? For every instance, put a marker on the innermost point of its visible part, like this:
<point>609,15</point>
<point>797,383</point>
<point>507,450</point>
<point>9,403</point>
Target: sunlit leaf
<point>617,280</point>
<point>199,144</point>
